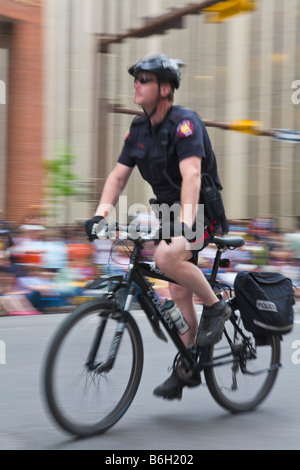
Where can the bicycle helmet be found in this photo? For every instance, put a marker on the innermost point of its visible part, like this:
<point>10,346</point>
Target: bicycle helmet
<point>162,66</point>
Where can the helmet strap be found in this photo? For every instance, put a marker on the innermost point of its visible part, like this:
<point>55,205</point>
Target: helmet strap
<point>149,115</point>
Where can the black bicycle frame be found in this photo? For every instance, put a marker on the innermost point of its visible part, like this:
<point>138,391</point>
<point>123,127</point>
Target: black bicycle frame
<point>138,285</point>
<point>141,287</point>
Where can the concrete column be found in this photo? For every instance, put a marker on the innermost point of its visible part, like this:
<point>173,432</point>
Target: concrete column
<point>235,177</point>
<point>287,179</point>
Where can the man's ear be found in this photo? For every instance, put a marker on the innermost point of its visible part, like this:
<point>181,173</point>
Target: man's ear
<point>165,90</point>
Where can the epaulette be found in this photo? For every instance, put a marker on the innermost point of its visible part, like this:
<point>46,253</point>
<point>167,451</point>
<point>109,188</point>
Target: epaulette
<point>181,112</point>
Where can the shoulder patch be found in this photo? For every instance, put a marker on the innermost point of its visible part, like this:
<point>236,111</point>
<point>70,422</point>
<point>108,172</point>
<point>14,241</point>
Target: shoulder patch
<point>185,128</point>
<point>127,135</point>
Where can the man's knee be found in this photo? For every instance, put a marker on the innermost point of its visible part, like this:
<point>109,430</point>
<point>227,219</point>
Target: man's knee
<point>162,256</point>
<point>169,256</point>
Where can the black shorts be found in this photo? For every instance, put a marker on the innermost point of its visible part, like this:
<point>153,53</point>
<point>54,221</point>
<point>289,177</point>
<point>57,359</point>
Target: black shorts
<point>209,233</point>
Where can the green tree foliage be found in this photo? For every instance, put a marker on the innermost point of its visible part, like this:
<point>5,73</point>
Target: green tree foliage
<point>60,179</point>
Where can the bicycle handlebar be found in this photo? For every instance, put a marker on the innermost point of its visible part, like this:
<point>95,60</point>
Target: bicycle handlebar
<point>110,231</point>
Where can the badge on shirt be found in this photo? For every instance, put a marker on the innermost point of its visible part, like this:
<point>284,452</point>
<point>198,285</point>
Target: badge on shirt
<point>185,128</point>
<point>127,135</point>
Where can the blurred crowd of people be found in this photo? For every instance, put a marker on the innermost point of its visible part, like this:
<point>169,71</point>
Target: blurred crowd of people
<point>45,269</point>
<point>265,249</point>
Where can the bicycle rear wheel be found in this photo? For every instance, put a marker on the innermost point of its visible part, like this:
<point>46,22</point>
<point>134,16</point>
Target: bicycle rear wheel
<point>87,395</point>
<point>246,372</point>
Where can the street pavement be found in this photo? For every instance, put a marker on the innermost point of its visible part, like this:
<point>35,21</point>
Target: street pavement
<point>196,422</point>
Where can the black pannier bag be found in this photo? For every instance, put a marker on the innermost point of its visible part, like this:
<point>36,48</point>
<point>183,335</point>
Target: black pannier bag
<point>265,301</point>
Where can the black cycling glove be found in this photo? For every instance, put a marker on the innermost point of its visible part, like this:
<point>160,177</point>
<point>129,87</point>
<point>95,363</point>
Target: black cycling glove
<point>91,226</point>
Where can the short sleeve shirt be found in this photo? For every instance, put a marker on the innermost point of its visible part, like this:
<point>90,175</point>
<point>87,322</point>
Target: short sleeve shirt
<point>187,137</point>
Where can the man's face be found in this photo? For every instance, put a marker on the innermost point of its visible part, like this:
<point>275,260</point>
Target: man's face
<point>146,89</point>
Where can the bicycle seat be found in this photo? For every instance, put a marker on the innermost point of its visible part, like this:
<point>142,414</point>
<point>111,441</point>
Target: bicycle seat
<point>229,242</point>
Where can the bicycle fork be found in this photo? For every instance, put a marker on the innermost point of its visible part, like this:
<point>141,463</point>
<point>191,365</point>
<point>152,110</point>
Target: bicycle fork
<point>106,366</point>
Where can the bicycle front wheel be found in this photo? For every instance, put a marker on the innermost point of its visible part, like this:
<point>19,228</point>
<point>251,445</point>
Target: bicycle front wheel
<point>93,368</point>
<point>242,373</point>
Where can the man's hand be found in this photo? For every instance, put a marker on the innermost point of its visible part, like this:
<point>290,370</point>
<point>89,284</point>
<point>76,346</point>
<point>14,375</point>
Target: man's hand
<point>91,226</point>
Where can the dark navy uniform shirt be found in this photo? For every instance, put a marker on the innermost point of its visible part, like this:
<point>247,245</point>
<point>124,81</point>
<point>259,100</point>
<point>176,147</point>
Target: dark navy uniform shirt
<point>187,136</point>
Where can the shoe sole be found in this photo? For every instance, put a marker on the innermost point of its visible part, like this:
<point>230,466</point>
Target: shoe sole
<point>178,394</point>
<point>192,385</point>
<point>169,396</point>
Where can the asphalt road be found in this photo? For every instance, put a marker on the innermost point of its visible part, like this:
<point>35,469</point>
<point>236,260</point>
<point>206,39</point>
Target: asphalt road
<point>196,422</point>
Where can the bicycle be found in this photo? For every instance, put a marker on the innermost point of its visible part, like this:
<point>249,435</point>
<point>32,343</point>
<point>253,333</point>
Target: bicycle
<point>95,360</point>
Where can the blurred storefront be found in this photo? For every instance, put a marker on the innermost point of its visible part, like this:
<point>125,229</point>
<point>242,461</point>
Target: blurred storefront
<point>240,69</point>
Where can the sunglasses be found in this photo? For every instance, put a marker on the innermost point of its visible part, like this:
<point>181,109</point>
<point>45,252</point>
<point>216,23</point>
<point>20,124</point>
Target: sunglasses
<point>144,79</point>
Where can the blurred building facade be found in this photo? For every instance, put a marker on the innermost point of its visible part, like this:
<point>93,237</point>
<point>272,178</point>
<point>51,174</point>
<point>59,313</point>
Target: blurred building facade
<point>243,68</point>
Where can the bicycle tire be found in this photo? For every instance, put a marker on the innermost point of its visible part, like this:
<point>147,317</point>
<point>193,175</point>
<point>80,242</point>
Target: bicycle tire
<point>79,411</point>
<point>237,391</point>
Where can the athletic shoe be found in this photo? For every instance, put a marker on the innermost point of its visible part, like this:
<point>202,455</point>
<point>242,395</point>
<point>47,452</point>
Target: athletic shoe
<point>172,387</point>
<point>212,323</point>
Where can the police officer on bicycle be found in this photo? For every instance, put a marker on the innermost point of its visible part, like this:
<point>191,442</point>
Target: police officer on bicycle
<point>171,148</point>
